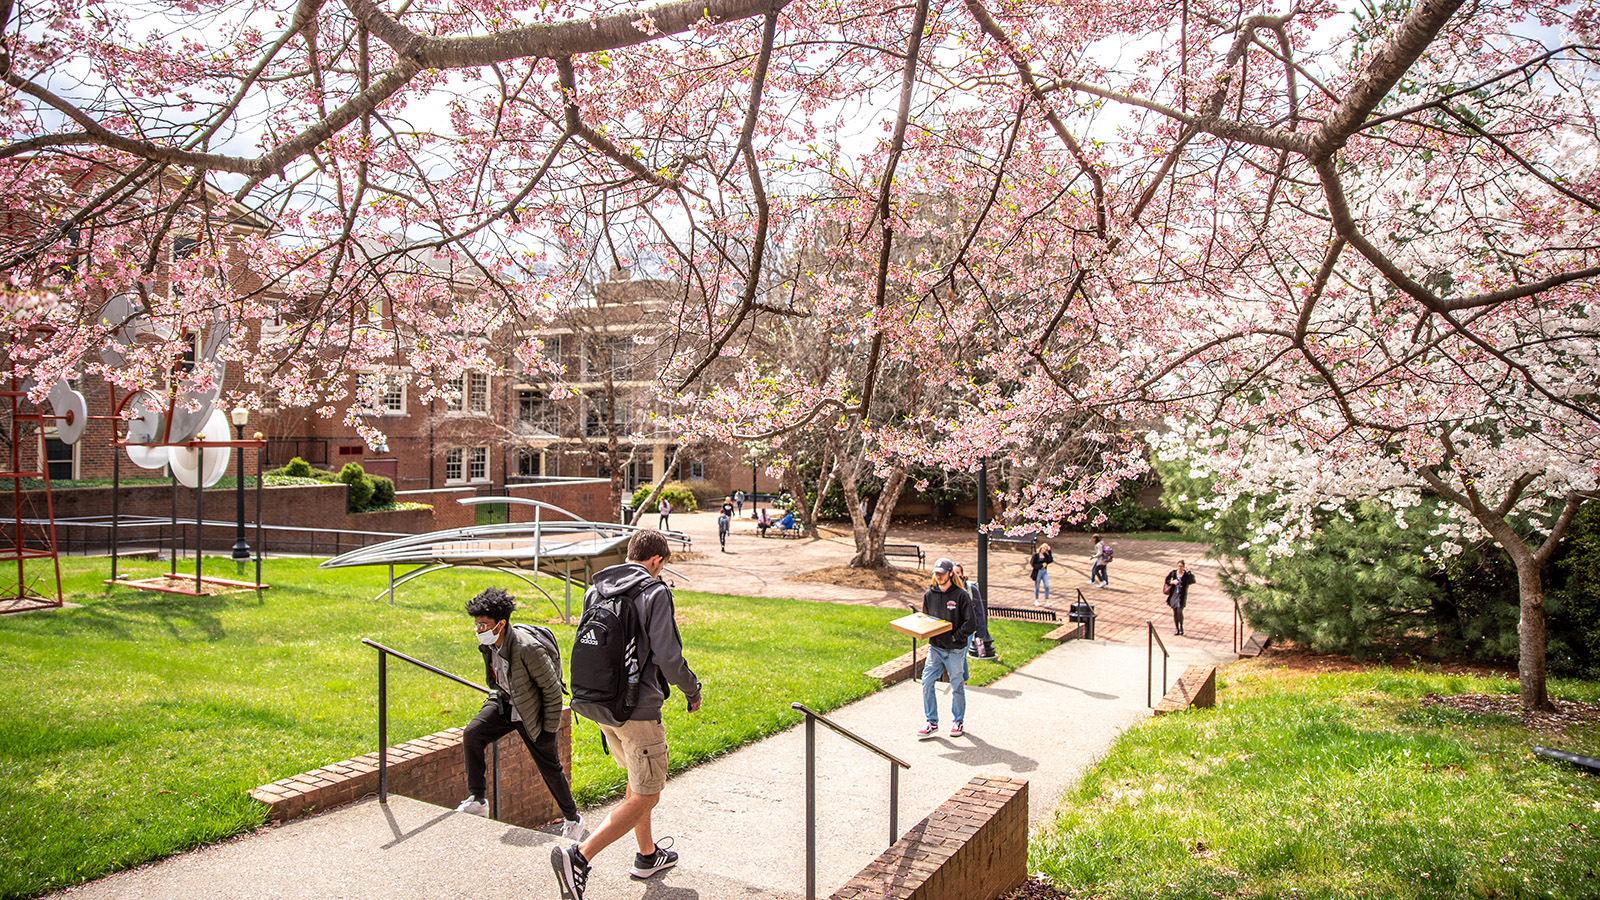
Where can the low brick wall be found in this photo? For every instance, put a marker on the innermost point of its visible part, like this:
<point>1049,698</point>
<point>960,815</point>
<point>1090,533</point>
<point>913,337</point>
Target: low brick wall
<point>1071,631</point>
<point>431,769</point>
<point>973,847</point>
<point>899,669</point>
<point>1196,687</point>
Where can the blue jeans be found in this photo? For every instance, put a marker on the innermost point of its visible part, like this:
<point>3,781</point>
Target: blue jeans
<point>1043,581</point>
<point>1097,572</point>
<point>954,662</point>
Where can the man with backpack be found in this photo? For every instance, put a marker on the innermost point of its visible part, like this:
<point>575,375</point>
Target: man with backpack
<point>626,657</point>
<point>523,666</point>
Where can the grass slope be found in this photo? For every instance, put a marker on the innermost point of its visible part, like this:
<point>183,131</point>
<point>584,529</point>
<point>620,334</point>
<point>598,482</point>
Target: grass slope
<point>1332,786</point>
<point>133,727</point>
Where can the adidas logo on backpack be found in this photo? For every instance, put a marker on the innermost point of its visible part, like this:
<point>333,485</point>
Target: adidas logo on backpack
<point>605,653</point>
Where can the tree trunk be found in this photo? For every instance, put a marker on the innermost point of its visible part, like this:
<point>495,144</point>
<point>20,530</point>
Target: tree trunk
<point>805,514</point>
<point>1531,635</point>
<point>870,538</point>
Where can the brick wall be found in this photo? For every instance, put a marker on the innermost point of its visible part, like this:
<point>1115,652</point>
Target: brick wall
<point>319,507</point>
<point>973,847</point>
<point>1196,687</point>
<point>431,769</point>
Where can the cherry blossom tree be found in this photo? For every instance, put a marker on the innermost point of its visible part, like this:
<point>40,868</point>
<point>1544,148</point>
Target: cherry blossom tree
<point>1356,241</point>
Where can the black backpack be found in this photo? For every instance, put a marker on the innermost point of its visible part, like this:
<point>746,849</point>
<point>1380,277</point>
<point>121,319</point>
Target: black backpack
<point>545,639</point>
<point>605,652</point>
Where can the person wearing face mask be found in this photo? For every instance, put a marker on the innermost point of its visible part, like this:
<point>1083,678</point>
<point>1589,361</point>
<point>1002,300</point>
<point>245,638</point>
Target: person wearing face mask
<point>526,681</point>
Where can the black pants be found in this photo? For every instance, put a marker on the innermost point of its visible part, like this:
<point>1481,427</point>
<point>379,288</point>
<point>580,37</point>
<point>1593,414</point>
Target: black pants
<point>1177,617</point>
<point>489,725</point>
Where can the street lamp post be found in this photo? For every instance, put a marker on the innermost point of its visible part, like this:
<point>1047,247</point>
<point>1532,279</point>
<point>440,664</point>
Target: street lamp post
<point>241,549</point>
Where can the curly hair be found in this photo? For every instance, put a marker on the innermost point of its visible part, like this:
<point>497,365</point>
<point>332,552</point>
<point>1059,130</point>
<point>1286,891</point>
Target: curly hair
<point>493,603</point>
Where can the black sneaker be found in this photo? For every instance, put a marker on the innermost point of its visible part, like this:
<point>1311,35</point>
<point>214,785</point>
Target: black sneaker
<point>572,872</point>
<point>645,866</point>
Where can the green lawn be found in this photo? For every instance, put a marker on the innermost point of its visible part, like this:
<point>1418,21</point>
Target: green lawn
<point>133,727</point>
<point>1333,786</point>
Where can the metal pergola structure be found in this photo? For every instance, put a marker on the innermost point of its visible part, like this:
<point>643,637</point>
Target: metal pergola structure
<point>570,549</point>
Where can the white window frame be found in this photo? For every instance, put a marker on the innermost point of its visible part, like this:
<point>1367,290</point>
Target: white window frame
<point>471,465</point>
<point>77,455</point>
<point>394,397</point>
<point>468,393</point>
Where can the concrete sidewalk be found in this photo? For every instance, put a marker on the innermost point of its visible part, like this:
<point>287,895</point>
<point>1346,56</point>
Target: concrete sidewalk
<point>738,821</point>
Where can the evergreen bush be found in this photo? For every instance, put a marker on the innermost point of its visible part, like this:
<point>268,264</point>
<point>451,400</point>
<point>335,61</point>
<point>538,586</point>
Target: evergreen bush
<point>681,495</point>
<point>382,491</point>
<point>360,485</point>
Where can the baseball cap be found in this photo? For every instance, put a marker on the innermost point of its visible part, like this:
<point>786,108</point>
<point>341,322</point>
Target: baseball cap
<point>944,566</point>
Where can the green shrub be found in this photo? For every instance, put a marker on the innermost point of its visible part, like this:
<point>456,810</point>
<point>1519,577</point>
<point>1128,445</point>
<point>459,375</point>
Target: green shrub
<point>361,489</point>
<point>681,495</point>
<point>297,468</point>
<point>382,490</point>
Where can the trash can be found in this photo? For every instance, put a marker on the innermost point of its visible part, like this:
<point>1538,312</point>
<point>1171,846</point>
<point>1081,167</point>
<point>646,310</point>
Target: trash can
<point>627,513</point>
<point>1081,611</point>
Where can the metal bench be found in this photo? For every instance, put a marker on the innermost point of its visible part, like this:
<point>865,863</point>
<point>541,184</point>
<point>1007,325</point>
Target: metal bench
<point>909,551</point>
<point>1023,542</point>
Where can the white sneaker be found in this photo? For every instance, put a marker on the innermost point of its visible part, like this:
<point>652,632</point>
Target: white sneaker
<point>472,806</point>
<point>574,829</point>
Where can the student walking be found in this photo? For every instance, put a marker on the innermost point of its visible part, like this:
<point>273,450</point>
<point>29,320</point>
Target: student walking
<point>523,666</point>
<point>1099,561</point>
<point>1040,561</point>
<point>947,652</point>
<point>1177,591</point>
<point>982,645</point>
<point>738,504</point>
<point>664,509</point>
<point>626,657</point>
<point>722,530</point>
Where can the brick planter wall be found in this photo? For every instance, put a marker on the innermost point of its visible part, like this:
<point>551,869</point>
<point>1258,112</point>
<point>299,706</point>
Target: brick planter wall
<point>431,769</point>
<point>973,847</point>
<point>1196,687</point>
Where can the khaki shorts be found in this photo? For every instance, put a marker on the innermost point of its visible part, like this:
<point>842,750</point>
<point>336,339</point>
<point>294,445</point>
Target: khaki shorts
<point>640,747</point>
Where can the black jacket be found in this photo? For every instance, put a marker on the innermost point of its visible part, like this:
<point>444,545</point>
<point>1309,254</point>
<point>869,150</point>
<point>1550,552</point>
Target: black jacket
<point>954,606</point>
<point>1178,588</point>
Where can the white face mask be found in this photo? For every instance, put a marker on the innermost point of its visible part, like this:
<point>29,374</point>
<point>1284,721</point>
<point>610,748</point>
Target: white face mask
<point>487,637</point>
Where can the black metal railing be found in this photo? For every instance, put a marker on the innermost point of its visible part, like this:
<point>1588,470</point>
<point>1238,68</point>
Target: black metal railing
<point>1150,665</point>
<point>895,765</point>
<point>1023,614</point>
<point>383,721</point>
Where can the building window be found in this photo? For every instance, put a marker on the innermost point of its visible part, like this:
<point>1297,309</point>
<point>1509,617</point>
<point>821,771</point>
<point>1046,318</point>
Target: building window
<point>697,470</point>
<point>469,393</point>
<point>464,464</point>
<point>595,404</point>
<point>392,402</point>
<point>60,459</point>
<point>528,462</point>
<point>184,247</point>
<point>535,409</point>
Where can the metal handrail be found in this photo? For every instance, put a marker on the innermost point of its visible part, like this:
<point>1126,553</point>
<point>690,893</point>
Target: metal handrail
<point>1238,627</point>
<point>1150,664</point>
<point>895,765</point>
<point>383,717</point>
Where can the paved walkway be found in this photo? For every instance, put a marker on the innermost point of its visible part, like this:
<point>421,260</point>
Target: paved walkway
<point>738,821</point>
<point>756,566</point>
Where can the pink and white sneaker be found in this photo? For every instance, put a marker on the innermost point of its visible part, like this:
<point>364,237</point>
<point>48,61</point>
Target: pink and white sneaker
<point>927,731</point>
